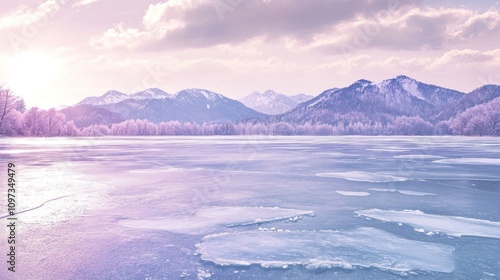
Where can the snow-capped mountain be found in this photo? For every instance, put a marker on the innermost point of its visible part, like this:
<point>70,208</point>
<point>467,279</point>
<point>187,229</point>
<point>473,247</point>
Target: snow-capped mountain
<point>189,105</point>
<point>301,98</point>
<point>368,101</point>
<point>273,103</point>
<point>363,102</point>
<point>150,93</point>
<point>109,97</point>
<point>195,105</point>
<point>113,97</point>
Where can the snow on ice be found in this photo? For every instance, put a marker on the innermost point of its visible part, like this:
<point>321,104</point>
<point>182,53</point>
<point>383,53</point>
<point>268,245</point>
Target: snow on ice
<point>362,176</point>
<point>349,193</point>
<point>450,225</point>
<point>207,219</point>
<point>361,247</point>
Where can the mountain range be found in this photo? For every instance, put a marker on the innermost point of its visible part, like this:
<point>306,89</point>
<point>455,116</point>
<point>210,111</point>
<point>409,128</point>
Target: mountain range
<point>155,105</point>
<point>362,101</point>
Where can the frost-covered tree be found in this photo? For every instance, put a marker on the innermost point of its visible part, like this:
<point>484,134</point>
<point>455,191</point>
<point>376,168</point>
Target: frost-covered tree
<point>10,107</point>
<point>479,120</point>
<point>70,129</point>
<point>54,121</point>
<point>410,126</point>
<point>33,122</point>
<point>96,130</point>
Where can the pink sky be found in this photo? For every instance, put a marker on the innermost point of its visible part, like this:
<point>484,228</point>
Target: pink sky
<point>58,52</point>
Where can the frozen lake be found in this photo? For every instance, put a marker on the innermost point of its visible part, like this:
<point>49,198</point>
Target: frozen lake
<point>255,207</point>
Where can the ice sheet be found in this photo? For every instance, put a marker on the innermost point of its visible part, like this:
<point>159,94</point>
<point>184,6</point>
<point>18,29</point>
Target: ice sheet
<point>475,161</point>
<point>163,169</point>
<point>450,225</point>
<point>415,193</point>
<point>362,247</point>
<point>362,176</point>
<point>407,192</point>
<point>387,150</point>
<point>409,157</point>
<point>207,219</point>
<point>349,193</point>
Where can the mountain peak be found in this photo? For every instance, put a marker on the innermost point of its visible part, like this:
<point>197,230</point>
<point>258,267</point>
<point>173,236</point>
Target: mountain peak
<point>403,77</point>
<point>197,93</point>
<point>113,93</point>
<point>363,82</point>
<point>150,93</point>
<point>271,102</point>
<point>112,96</point>
<point>270,92</point>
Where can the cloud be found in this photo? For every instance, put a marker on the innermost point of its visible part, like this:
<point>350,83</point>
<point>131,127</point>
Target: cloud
<point>23,16</point>
<point>82,3</point>
<point>159,19</point>
<point>466,56</point>
<point>487,23</point>
<point>204,23</point>
<point>450,59</point>
<point>412,29</point>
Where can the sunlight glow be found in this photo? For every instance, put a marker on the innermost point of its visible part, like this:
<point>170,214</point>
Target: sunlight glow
<point>31,73</point>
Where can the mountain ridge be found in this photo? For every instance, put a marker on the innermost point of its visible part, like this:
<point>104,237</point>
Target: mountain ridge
<point>362,101</point>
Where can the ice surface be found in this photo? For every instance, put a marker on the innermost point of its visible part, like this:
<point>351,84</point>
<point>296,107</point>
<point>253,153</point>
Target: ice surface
<point>407,192</point>
<point>162,169</point>
<point>349,193</point>
<point>361,247</point>
<point>415,193</point>
<point>418,156</point>
<point>362,176</point>
<point>387,150</point>
<point>207,219</point>
<point>478,161</point>
<point>451,225</point>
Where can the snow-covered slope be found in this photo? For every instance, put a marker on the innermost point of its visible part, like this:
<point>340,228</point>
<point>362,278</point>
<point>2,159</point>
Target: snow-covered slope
<point>273,103</point>
<point>113,97</point>
<point>368,101</point>
<point>150,93</point>
<point>109,97</point>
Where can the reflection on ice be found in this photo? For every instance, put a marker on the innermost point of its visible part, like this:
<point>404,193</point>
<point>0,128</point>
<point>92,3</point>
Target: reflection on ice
<point>362,247</point>
<point>362,176</point>
<point>451,225</point>
<point>207,219</point>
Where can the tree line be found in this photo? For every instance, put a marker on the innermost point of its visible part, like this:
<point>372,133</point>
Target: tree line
<point>16,120</point>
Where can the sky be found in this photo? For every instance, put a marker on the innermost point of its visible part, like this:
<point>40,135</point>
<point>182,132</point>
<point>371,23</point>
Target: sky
<point>57,52</point>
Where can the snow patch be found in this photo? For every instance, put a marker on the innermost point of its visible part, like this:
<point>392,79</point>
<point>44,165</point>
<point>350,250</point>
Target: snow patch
<point>406,192</point>
<point>362,247</point>
<point>207,219</point>
<point>450,225</point>
<point>410,157</point>
<point>349,193</point>
<point>474,161</point>
<point>415,193</point>
<point>362,176</point>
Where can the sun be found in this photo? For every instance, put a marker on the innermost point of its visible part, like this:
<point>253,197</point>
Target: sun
<point>32,74</point>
